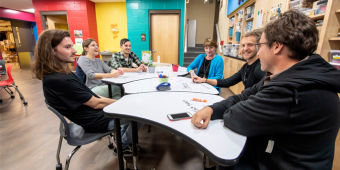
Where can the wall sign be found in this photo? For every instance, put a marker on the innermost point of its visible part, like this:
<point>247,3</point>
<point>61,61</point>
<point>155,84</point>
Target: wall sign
<point>78,33</point>
<point>143,36</point>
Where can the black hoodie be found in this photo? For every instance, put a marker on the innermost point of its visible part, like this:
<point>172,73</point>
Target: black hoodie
<point>298,110</point>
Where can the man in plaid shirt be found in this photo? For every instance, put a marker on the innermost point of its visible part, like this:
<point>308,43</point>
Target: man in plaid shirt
<point>126,60</point>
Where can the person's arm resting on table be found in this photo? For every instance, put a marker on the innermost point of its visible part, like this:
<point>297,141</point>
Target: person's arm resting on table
<point>193,65</point>
<point>217,110</point>
<point>232,80</point>
<point>75,94</point>
<point>99,103</point>
<point>86,67</point>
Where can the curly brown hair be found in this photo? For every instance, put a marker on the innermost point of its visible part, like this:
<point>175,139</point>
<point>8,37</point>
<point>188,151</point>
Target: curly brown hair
<point>294,30</point>
<point>44,60</point>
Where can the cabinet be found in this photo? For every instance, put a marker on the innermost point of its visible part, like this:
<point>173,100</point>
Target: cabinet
<point>232,66</point>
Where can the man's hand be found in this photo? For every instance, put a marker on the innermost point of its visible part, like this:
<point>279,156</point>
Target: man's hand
<point>143,67</point>
<point>205,115</point>
<point>197,79</point>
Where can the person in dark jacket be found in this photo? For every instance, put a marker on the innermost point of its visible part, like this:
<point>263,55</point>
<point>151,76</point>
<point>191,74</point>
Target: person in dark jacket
<point>291,117</point>
<point>250,73</point>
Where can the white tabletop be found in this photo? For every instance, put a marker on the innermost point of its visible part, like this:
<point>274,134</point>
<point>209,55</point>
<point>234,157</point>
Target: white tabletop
<point>133,76</point>
<point>216,141</point>
<point>183,84</point>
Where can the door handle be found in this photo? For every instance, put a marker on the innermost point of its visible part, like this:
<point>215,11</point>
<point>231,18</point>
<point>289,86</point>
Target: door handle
<point>153,50</point>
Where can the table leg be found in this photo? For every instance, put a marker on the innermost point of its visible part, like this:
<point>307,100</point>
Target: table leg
<point>119,143</point>
<point>110,90</point>
<point>134,143</point>
<point>122,93</point>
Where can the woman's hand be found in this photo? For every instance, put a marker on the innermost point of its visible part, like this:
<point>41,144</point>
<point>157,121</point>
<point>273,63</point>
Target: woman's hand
<point>197,79</point>
<point>192,74</point>
<point>117,73</point>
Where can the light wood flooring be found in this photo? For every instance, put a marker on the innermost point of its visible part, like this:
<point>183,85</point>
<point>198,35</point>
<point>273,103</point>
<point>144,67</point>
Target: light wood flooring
<point>29,137</point>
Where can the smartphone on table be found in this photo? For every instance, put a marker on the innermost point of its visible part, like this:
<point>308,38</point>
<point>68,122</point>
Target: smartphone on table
<point>179,116</point>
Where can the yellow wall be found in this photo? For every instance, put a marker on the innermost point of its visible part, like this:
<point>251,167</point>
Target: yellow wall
<point>107,14</point>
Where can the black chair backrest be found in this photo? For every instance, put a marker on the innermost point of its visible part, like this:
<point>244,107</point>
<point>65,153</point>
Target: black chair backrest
<point>80,74</point>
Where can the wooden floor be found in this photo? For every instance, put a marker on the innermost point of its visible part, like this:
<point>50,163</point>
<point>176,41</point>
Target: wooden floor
<point>29,137</point>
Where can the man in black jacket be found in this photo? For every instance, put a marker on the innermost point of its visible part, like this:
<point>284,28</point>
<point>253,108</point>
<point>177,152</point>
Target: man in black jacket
<point>291,117</point>
<point>250,73</point>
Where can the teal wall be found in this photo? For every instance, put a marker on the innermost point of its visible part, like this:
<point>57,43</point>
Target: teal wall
<point>138,22</point>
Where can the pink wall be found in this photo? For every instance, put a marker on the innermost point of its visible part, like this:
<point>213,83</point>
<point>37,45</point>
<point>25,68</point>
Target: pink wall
<point>14,14</point>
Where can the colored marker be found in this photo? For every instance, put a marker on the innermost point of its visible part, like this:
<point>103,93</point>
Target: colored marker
<point>199,100</point>
<point>119,70</point>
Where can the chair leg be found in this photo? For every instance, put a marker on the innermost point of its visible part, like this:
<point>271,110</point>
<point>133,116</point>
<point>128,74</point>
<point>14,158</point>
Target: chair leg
<point>68,160</point>
<point>149,128</point>
<point>10,90</point>
<point>10,93</point>
<point>59,166</point>
<point>110,143</point>
<point>21,96</point>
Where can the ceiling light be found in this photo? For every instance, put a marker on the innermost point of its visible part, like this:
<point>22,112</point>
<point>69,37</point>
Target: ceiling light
<point>31,10</point>
<point>11,11</point>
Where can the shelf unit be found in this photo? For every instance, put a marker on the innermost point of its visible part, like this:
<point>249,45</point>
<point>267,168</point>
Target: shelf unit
<point>249,19</point>
<point>334,39</point>
<point>329,31</point>
<point>317,17</point>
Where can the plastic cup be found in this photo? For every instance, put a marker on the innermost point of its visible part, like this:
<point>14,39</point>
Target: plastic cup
<point>151,69</point>
<point>163,80</point>
<point>174,68</point>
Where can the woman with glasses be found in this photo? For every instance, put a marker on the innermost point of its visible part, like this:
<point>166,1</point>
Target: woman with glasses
<point>209,65</point>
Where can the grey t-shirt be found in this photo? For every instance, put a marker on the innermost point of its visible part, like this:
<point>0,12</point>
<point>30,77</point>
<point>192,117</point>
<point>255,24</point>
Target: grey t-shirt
<point>90,68</point>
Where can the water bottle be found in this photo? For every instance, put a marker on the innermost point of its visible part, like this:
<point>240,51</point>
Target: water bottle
<point>150,59</point>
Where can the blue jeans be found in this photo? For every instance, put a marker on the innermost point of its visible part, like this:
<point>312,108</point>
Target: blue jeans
<point>126,131</point>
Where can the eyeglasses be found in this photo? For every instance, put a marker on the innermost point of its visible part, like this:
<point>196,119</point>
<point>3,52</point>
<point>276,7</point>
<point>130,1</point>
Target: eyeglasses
<point>258,46</point>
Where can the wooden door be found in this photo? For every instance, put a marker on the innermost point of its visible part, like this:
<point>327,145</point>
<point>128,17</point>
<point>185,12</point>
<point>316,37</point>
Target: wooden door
<point>24,42</point>
<point>165,37</point>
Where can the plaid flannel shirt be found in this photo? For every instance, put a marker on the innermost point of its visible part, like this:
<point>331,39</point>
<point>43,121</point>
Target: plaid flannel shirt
<point>118,60</point>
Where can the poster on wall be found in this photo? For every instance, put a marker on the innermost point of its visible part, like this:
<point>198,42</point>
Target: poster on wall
<point>78,41</point>
<point>275,11</point>
<point>78,33</point>
<point>259,18</point>
<point>146,56</point>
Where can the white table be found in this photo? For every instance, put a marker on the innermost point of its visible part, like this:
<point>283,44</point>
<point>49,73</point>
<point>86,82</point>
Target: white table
<point>133,76</point>
<point>180,84</point>
<point>218,142</point>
